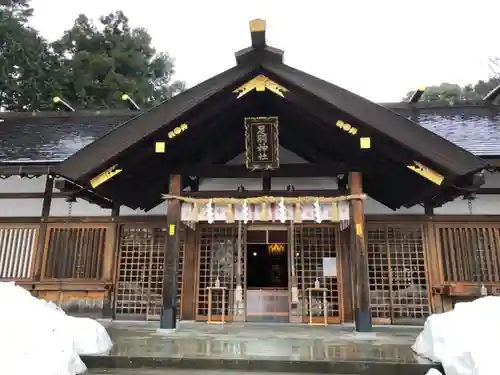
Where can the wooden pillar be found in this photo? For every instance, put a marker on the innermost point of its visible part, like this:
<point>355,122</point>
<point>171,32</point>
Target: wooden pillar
<point>362,315</point>
<point>347,275</point>
<point>188,308</point>
<point>172,248</point>
<point>42,230</point>
<point>110,260</point>
<point>433,262</point>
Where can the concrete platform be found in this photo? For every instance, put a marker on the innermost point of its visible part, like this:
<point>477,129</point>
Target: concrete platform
<point>263,347</point>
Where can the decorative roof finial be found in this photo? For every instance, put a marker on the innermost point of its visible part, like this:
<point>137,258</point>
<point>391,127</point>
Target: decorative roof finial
<point>258,32</point>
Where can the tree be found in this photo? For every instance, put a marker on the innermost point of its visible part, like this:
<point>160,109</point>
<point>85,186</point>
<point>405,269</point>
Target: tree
<point>450,94</point>
<point>101,63</point>
<point>28,68</point>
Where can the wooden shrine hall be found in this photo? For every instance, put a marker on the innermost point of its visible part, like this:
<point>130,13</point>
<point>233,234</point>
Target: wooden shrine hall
<point>256,262</point>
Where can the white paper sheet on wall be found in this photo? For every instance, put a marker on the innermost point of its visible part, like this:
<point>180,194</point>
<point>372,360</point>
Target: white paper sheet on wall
<point>330,267</point>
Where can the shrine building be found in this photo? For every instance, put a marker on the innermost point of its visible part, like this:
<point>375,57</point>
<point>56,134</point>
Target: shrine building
<point>263,194</point>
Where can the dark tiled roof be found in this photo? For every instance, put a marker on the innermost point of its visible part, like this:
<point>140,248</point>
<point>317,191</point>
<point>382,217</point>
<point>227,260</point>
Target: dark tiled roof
<point>477,129</point>
<point>41,138</point>
<point>54,138</point>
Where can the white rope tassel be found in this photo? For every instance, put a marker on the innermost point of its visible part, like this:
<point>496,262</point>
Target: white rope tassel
<point>210,212</point>
<point>282,210</point>
<point>245,211</point>
<point>317,211</point>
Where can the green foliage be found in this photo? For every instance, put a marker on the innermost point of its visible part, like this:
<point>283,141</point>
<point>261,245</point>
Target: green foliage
<point>27,65</point>
<point>449,94</point>
<point>90,66</point>
<point>101,63</point>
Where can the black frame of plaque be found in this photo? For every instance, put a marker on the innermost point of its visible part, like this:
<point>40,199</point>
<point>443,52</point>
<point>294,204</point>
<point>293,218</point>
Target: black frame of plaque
<point>252,160</point>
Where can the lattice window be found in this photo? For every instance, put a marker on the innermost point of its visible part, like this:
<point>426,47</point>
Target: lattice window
<point>470,253</point>
<point>296,312</point>
<point>17,247</point>
<point>74,253</point>
<point>141,271</point>
<point>397,274</point>
<point>314,244</point>
<point>218,261</point>
<point>378,271</point>
<point>409,281</point>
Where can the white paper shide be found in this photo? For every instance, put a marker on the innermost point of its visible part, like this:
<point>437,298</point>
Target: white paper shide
<point>37,337</point>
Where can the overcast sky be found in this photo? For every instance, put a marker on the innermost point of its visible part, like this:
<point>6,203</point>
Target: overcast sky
<point>379,49</point>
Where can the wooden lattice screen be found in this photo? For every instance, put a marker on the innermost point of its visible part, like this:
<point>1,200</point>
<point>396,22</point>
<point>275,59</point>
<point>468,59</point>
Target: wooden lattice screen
<point>17,246</point>
<point>141,272</point>
<point>312,245</point>
<point>74,252</point>
<point>397,273</point>
<point>218,259</point>
<point>470,252</point>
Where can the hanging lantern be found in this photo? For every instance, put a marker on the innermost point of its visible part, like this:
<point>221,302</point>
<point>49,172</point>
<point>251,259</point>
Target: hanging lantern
<point>210,212</point>
<point>282,210</point>
<point>245,211</point>
<point>317,211</point>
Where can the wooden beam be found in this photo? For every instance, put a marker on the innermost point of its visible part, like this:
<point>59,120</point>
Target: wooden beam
<point>285,170</point>
<point>172,248</point>
<point>42,230</point>
<point>110,261</point>
<point>260,193</point>
<point>27,169</point>
<point>266,184</point>
<point>363,318</point>
<point>428,209</point>
<point>16,195</point>
<point>488,191</point>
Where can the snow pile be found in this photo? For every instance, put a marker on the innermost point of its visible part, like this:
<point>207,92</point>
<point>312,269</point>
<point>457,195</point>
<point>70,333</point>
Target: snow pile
<point>464,340</point>
<point>37,337</point>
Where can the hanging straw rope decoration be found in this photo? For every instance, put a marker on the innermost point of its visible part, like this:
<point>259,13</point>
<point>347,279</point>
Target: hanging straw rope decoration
<point>265,199</point>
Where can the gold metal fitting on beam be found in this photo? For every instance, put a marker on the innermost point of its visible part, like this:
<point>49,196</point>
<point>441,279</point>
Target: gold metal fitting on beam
<point>365,143</point>
<point>160,147</point>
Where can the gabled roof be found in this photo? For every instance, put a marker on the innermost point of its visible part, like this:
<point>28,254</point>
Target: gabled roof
<point>309,109</point>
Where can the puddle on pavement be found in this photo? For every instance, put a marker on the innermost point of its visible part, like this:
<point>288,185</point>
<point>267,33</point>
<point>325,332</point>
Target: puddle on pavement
<point>265,341</point>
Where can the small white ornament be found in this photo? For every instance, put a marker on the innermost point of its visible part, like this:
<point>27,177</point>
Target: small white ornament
<point>245,211</point>
<point>317,211</point>
<point>282,211</point>
<point>210,212</point>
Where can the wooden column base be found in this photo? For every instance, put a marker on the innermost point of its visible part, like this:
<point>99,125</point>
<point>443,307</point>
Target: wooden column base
<point>169,318</point>
<point>363,321</point>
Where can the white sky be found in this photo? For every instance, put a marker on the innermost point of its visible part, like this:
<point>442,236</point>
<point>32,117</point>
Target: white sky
<point>379,49</point>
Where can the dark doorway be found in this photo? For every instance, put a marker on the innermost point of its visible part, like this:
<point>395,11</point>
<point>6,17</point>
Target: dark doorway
<point>267,266</point>
<point>267,295</point>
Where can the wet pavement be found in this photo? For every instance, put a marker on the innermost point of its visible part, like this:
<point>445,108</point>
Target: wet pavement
<point>179,372</point>
<point>250,341</point>
<point>258,348</point>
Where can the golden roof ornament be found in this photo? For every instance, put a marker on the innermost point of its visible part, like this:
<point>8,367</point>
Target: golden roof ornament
<point>260,83</point>
<point>257,25</point>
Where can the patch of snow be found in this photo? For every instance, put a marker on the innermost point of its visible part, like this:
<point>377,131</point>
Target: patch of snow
<point>37,337</point>
<point>463,340</point>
